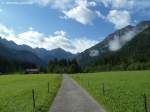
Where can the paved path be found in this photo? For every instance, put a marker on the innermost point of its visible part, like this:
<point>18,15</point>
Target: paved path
<point>72,98</point>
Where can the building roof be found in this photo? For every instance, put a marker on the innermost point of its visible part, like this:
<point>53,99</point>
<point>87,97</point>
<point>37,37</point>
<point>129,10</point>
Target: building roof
<point>32,70</point>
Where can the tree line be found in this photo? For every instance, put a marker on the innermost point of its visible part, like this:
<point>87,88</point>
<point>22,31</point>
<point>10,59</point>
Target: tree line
<point>63,66</point>
<point>54,66</point>
<point>12,66</point>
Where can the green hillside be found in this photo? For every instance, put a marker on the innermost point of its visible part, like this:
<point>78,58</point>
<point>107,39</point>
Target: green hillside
<point>134,55</point>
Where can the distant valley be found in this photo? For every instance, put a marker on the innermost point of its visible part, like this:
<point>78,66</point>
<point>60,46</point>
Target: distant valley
<point>119,50</point>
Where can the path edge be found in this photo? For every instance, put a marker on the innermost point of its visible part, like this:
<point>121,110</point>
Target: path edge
<point>88,94</point>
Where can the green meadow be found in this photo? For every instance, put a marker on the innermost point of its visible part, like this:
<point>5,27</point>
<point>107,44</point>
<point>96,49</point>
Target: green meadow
<point>118,91</point>
<point>16,92</point>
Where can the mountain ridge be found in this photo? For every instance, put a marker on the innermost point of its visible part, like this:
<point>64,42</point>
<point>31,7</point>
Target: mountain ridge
<point>103,47</point>
<point>41,56</point>
<point>38,56</point>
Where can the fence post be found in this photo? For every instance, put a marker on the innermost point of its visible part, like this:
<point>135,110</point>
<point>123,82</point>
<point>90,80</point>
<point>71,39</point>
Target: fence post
<point>48,87</point>
<point>33,98</point>
<point>88,83</point>
<point>145,103</point>
<point>103,89</point>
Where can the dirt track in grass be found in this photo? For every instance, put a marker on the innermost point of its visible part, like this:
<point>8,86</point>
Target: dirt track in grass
<point>72,98</point>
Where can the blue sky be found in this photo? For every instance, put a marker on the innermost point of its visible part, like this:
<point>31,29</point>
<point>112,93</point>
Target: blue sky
<point>73,25</point>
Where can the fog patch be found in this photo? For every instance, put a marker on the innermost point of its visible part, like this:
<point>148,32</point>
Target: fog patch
<point>120,41</point>
<point>94,53</point>
<point>115,45</point>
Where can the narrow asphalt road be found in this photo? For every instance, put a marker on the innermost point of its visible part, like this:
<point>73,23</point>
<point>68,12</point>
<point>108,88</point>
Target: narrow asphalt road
<point>72,98</point>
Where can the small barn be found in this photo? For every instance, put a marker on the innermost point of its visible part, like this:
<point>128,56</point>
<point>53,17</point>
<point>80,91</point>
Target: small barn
<point>32,71</point>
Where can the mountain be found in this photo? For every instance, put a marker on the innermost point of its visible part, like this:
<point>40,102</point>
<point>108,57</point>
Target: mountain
<point>101,48</point>
<point>118,40</point>
<point>124,49</point>
<point>9,53</point>
<point>138,49</point>
<point>38,56</point>
<point>51,55</point>
<point>134,55</point>
<point>47,55</point>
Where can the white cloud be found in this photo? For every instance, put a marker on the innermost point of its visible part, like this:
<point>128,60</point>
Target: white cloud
<point>126,4</point>
<point>24,2</point>
<point>60,32</point>
<point>42,2</point>
<point>94,53</point>
<point>61,4</point>
<point>72,45</point>
<point>99,14</point>
<point>115,44</point>
<point>81,13</point>
<point>118,42</point>
<point>56,4</point>
<point>116,3</point>
<point>78,10</point>
<point>119,4</point>
<point>119,18</point>
<point>5,30</point>
<point>92,3</point>
<point>82,44</point>
<point>59,39</point>
<point>31,38</point>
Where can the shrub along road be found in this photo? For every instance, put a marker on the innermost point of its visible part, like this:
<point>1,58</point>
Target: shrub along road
<point>72,98</point>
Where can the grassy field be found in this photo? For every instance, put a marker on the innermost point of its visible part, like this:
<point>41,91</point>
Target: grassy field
<point>16,92</point>
<point>118,91</point>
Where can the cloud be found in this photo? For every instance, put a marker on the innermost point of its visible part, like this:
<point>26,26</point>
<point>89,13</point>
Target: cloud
<point>92,3</point>
<point>126,4</point>
<point>100,15</point>
<point>61,4</point>
<point>31,38</point>
<point>59,39</point>
<point>24,2</point>
<point>81,13</point>
<point>78,10</point>
<point>42,2</point>
<point>82,44</point>
<point>94,53</point>
<point>118,4</point>
<point>118,42</point>
<point>56,4</point>
<point>115,44</point>
<point>119,18</point>
<point>72,45</point>
<point>5,30</point>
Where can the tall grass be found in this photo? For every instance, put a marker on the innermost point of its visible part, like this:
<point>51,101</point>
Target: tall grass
<point>16,92</point>
<point>118,91</point>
